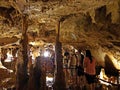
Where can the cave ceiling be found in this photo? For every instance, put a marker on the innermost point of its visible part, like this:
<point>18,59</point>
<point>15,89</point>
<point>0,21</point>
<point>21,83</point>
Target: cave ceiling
<point>83,23</point>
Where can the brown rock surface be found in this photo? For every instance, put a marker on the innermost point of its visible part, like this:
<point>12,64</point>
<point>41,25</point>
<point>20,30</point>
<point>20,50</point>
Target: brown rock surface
<point>93,24</point>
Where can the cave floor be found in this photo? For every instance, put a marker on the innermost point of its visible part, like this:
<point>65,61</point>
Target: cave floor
<point>73,82</point>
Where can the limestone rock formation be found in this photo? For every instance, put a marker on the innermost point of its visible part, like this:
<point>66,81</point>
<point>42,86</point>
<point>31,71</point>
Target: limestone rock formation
<point>85,24</point>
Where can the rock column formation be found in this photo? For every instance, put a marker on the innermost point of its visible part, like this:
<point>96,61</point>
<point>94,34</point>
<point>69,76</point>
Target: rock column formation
<point>22,76</point>
<point>59,78</point>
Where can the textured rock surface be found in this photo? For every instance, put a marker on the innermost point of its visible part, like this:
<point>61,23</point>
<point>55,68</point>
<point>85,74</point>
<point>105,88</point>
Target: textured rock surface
<point>93,24</point>
<point>84,23</point>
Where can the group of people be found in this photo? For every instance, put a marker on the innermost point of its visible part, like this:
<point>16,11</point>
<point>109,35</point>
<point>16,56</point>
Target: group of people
<point>83,65</point>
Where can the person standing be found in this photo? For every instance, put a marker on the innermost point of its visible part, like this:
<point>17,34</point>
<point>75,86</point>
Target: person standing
<point>89,69</point>
<point>80,70</point>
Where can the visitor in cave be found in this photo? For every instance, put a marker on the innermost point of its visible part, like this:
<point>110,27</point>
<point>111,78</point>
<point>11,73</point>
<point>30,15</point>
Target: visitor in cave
<point>80,70</point>
<point>51,58</point>
<point>89,69</point>
<point>52,55</point>
<point>73,64</point>
<point>66,58</point>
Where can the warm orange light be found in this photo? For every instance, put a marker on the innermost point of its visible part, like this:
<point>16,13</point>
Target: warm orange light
<point>116,63</point>
<point>9,57</point>
<point>103,77</point>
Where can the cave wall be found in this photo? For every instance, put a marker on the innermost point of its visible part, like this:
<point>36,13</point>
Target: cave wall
<point>101,36</point>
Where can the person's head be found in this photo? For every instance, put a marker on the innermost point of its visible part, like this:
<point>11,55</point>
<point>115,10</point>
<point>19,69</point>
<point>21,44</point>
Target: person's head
<point>79,50</point>
<point>88,54</point>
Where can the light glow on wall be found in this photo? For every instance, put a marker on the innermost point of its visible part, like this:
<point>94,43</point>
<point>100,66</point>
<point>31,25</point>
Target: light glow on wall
<point>116,63</point>
<point>46,54</point>
<point>106,80</point>
<point>9,57</point>
<point>103,77</point>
